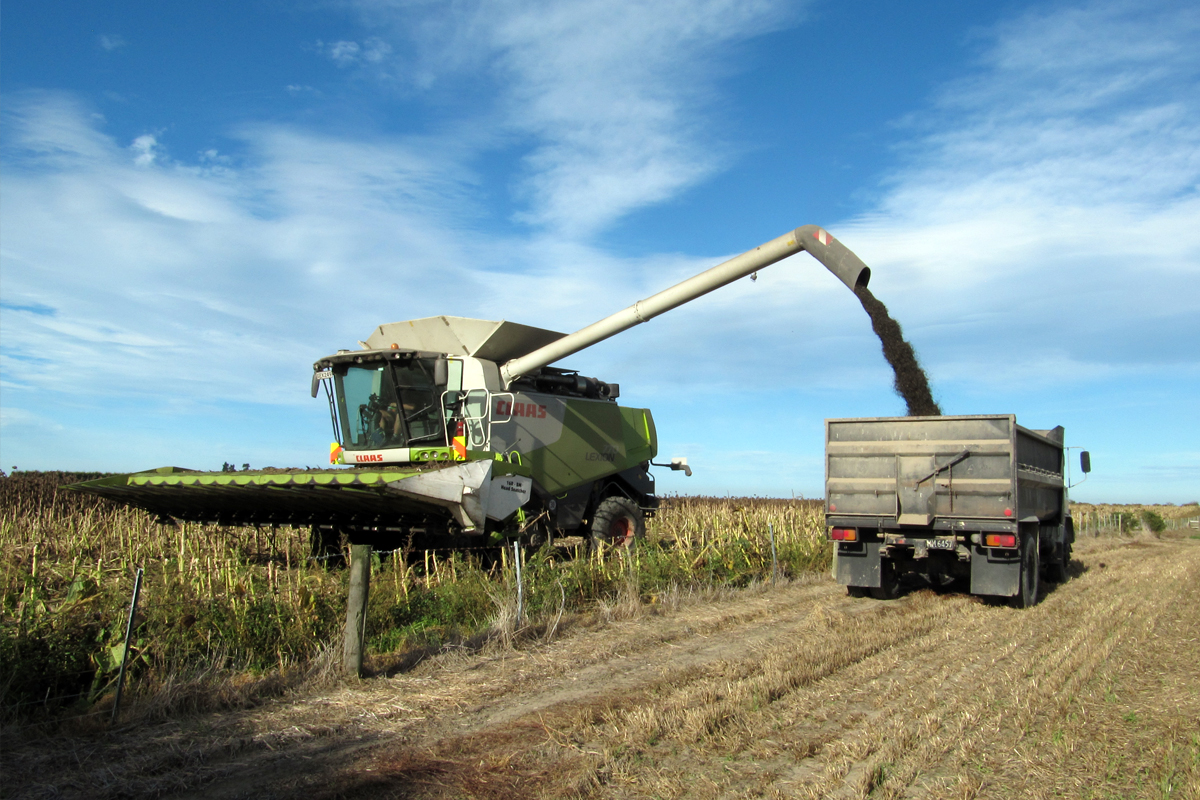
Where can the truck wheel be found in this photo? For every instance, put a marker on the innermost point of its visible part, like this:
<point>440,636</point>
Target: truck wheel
<point>618,522</point>
<point>1027,593</point>
<point>889,581</point>
<point>1056,571</point>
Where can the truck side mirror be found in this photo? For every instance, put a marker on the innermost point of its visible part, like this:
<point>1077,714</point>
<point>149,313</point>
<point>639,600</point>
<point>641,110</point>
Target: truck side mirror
<point>1085,462</point>
<point>441,372</point>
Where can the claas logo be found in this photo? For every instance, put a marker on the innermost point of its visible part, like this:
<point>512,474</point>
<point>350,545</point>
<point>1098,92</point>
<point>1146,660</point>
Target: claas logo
<point>506,409</point>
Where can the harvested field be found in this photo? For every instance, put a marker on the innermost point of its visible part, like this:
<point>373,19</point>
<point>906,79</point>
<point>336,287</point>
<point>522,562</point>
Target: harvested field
<point>793,690</point>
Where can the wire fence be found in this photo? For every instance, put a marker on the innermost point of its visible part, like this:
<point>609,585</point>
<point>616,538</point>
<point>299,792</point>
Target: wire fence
<point>413,566</point>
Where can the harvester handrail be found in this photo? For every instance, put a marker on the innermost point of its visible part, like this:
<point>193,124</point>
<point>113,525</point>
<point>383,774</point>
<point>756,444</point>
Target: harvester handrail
<point>836,257</point>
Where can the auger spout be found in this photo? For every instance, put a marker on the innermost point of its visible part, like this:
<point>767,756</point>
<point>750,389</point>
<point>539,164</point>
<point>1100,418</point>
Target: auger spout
<point>836,257</point>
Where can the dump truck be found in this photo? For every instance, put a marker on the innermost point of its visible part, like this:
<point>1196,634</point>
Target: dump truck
<point>942,499</point>
<point>456,432</point>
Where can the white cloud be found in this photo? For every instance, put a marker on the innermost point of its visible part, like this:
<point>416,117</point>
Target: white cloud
<point>609,94</point>
<point>1054,199</point>
<point>349,53</point>
<point>343,53</point>
<point>111,41</point>
<point>145,148</point>
<point>127,277</point>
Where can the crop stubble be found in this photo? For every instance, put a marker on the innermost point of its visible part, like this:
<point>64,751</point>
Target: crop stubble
<point>795,691</point>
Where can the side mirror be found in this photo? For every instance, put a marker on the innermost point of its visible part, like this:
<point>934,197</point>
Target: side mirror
<point>317,378</point>
<point>1085,462</point>
<point>441,372</point>
<point>681,464</point>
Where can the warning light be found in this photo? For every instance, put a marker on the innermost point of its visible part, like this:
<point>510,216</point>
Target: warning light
<point>1008,512</point>
<point>459,442</point>
<point>1000,540</point>
<point>844,534</point>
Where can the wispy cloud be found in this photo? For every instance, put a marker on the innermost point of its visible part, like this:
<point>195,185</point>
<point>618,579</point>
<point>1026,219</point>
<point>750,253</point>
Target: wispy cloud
<point>349,53</point>
<point>1056,189</point>
<point>162,272</point>
<point>111,41</point>
<point>608,94</point>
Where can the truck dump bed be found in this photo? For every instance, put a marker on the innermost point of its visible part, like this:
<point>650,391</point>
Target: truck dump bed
<point>964,473</point>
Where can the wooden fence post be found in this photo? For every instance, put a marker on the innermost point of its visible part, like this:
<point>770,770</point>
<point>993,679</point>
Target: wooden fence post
<point>356,608</point>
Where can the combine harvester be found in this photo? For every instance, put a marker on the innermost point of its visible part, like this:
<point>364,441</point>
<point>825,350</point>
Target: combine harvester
<point>458,431</point>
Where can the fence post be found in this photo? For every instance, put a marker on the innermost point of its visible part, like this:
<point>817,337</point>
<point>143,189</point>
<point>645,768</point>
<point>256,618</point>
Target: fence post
<point>356,608</point>
<point>774,556</point>
<point>137,590</point>
<point>520,587</point>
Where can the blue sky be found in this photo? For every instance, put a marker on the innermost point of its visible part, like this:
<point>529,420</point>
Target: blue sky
<point>197,202</point>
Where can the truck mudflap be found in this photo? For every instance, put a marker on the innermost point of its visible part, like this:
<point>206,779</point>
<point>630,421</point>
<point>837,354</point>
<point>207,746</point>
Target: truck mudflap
<point>995,572</point>
<point>859,564</point>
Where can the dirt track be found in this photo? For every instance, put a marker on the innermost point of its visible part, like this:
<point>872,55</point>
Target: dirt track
<point>790,691</point>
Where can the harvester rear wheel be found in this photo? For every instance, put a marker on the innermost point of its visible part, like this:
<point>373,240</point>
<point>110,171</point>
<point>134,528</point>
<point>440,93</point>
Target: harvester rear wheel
<point>618,522</point>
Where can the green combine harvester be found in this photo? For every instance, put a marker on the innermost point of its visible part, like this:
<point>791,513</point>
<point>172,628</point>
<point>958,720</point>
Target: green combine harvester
<point>454,432</point>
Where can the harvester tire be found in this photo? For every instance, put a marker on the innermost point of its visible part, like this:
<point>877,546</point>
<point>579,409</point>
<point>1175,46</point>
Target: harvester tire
<point>618,522</point>
<point>1027,588</point>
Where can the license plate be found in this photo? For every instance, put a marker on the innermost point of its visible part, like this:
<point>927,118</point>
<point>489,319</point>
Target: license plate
<point>942,543</point>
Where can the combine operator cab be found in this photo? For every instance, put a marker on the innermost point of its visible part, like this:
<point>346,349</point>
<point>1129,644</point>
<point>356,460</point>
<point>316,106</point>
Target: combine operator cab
<point>385,403</point>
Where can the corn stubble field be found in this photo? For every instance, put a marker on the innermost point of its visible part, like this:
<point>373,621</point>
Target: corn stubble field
<point>678,670</point>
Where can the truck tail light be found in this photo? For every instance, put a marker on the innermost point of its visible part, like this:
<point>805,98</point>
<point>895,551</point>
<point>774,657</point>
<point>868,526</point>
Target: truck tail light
<point>1000,540</point>
<point>844,535</point>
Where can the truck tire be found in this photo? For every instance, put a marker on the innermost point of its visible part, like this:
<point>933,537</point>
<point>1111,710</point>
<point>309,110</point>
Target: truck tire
<point>889,581</point>
<point>858,591</point>
<point>618,522</point>
<point>1027,591</point>
<point>1056,571</point>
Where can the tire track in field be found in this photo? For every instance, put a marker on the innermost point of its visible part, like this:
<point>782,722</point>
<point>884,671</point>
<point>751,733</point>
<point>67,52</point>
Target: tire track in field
<point>789,691</point>
<point>884,721</point>
<point>891,737</point>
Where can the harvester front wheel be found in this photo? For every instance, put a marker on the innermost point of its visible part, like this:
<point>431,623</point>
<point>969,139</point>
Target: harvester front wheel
<point>618,522</point>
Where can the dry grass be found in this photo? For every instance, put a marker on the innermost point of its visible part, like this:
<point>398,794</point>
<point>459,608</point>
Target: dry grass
<point>792,690</point>
<point>229,616</point>
<point>719,688</point>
